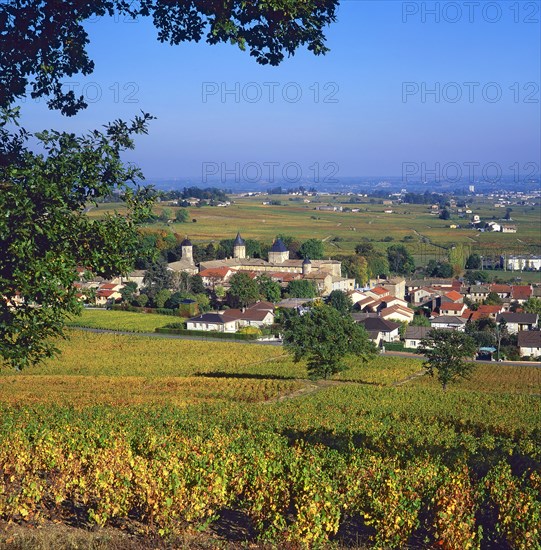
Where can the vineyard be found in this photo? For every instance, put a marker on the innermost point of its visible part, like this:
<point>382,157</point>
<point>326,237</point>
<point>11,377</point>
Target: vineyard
<point>167,438</point>
<point>120,320</point>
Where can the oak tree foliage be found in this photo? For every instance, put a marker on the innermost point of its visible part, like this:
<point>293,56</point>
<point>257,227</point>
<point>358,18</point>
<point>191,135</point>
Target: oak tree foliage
<point>45,234</point>
<point>324,337</point>
<point>448,355</point>
<point>43,41</point>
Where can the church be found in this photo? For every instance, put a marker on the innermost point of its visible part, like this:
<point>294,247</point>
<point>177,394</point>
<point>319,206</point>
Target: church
<point>326,274</point>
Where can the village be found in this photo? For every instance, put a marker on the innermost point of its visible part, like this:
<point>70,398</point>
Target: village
<point>397,312</point>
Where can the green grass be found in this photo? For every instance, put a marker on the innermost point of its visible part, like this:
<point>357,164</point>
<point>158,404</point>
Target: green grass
<point>121,320</point>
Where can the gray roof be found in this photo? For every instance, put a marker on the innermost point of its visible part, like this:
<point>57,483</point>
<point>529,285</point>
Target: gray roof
<point>239,241</point>
<point>529,339</point>
<point>379,324</point>
<point>522,318</point>
<point>417,333</point>
<point>208,318</point>
<point>306,261</point>
<point>278,246</point>
<point>449,319</point>
<point>186,242</point>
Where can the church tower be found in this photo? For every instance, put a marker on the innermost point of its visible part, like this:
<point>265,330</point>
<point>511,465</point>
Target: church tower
<point>239,248</point>
<point>187,250</point>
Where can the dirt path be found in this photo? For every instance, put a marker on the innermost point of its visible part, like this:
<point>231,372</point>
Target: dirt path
<point>310,387</point>
<point>411,377</point>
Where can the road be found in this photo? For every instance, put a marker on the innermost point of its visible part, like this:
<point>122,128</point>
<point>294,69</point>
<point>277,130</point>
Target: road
<point>407,354</point>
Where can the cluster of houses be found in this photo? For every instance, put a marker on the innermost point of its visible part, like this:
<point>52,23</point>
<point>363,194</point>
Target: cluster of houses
<point>383,307</point>
<point>444,303</point>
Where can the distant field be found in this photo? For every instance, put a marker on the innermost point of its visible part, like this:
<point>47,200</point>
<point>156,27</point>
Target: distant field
<point>341,231</point>
<point>121,320</point>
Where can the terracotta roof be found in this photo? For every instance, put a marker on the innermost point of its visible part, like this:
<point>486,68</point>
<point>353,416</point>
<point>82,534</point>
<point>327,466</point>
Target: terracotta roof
<point>521,292</point>
<point>105,293</point>
<point>451,306</point>
<point>284,276</point>
<point>108,286</point>
<point>489,309</point>
<point>503,289</point>
<point>454,295</point>
<point>379,290</point>
<point>216,272</point>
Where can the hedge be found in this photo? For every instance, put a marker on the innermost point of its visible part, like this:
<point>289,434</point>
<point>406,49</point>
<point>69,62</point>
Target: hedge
<point>137,309</point>
<point>207,334</point>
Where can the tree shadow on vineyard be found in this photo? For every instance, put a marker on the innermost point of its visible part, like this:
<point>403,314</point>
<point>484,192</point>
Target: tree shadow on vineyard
<point>243,375</point>
<point>479,462</point>
<point>234,526</point>
<point>353,532</point>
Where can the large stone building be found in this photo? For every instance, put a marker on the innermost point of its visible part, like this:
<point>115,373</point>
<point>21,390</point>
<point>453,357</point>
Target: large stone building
<point>327,274</point>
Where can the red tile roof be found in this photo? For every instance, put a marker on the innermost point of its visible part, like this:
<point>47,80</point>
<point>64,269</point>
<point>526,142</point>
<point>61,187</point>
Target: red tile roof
<point>489,309</point>
<point>521,292</point>
<point>502,289</point>
<point>451,306</point>
<point>454,295</point>
<point>105,293</point>
<point>379,290</point>
<point>216,272</point>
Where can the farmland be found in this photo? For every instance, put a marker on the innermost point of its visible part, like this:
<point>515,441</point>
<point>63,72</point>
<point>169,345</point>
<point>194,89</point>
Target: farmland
<point>427,235</point>
<point>168,436</point>
<point>120,320</point>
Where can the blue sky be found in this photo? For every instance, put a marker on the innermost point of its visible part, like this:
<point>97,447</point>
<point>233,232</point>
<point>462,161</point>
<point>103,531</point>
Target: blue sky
<point>370,128</point>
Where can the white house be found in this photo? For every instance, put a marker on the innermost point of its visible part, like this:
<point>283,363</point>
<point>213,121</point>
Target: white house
<point>516,322</point>
<point>529,343</point>
<point>212,322</point>
<point>449,321</point>
<point>389,330</point>
<point>521,263</point>
<point>452,308</point>
<point>414,335</point>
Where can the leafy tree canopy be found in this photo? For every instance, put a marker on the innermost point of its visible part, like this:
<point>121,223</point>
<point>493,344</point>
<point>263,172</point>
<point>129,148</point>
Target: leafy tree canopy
<point>473,261</point>
<point>312,248</point>
<point>269,290</point>
<point>324,337</point>
<point>400,260</point>
<point>56,47</point>
<point>44,231</point>
<point>340,301</point>
<point>301,288</point>
<point>446,353</point>
<point>243,290</point>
